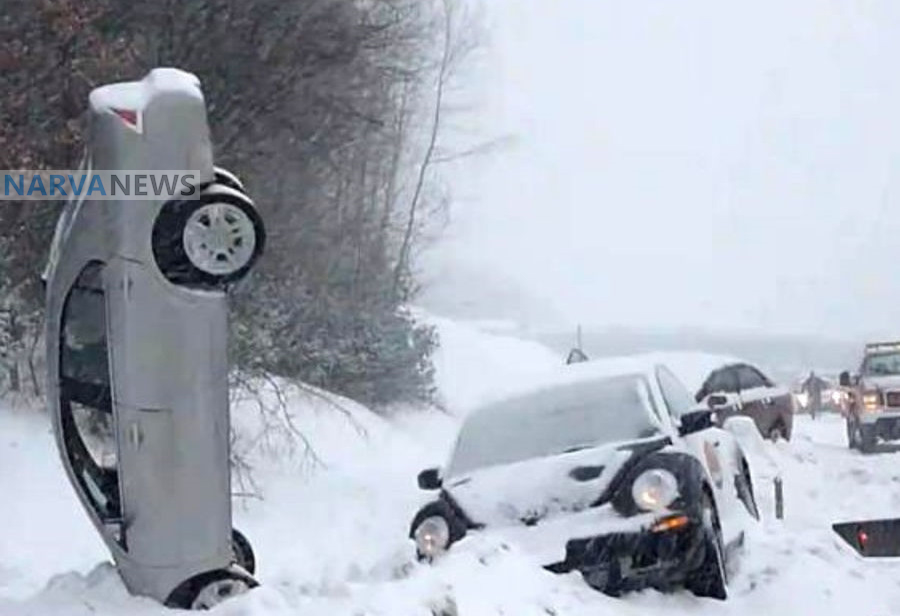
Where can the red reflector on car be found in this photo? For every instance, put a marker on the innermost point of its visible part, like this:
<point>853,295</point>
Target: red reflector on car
<point>872,538</point>
<point>129,116</point>
<point>862,537</point>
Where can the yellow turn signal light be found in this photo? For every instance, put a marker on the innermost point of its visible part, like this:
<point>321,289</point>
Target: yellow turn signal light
<point>671,523</point>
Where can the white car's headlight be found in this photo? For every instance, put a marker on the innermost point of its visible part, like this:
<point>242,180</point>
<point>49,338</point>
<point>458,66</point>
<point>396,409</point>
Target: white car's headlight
<point>432,536</point>
<point>654,489</point>
<point>872,400</point>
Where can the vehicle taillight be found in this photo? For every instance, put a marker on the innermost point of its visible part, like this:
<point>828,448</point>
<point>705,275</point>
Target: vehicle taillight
<point>129,116</point>
<point>862,538</point>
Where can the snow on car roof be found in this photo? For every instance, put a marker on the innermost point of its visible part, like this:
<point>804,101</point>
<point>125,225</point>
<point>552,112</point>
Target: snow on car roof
<point>575,374</point>
<point>135,94</point>
<point>691,367</point>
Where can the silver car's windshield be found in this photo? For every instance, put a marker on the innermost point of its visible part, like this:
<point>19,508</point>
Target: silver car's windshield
<point>554,421</point>
<point>882,364</point>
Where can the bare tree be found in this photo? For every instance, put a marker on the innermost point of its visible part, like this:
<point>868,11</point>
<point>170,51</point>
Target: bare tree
<point>322,106</point>
<point>441,81</point>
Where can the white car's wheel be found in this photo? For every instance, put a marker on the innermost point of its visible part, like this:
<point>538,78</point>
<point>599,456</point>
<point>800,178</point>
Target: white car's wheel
<point>710,579</point>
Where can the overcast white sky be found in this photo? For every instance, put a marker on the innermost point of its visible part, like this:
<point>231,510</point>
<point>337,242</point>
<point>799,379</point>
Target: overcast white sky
<point>693,162</point>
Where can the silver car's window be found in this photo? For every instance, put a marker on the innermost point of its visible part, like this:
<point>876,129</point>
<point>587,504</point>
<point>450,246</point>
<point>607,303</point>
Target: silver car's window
<point>85,395</point>
<point>554,421</point>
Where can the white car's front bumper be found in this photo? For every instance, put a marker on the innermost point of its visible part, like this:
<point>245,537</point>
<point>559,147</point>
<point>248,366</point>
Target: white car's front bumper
<point>879,417</point>
<point>546,541</point>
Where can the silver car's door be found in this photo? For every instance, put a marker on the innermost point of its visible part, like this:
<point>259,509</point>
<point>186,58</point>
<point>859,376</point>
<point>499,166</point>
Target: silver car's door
<point>173,415</point>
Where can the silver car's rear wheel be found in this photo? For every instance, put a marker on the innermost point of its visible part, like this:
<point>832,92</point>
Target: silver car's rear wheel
<point>219,239</point>
<point>218,591</point>
<point>242,552</point>
<point>207,590</point>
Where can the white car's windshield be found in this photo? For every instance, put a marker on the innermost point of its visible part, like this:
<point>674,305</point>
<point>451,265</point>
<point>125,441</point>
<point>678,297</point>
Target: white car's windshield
<point>882,364</point>
<point>554,421</point>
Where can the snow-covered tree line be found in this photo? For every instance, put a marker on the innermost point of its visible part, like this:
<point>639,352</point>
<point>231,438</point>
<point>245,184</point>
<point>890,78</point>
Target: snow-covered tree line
<point>332,113</point>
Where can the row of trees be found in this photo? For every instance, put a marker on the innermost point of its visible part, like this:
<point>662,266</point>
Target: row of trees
<point>332,111</point>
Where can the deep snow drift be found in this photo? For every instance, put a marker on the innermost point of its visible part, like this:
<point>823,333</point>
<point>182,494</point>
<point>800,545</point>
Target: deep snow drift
<point>330,527</point>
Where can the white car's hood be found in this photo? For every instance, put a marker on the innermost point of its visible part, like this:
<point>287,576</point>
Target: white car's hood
<point>540,504</point>
<point>536,490</point>
<point>881,382</point>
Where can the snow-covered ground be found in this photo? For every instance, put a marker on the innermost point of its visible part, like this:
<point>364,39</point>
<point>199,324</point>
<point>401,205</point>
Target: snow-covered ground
<point>330,529</point>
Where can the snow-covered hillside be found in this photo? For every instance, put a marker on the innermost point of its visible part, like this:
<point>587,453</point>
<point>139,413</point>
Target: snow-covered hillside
<point>329,524</point>
<point>473,365</point>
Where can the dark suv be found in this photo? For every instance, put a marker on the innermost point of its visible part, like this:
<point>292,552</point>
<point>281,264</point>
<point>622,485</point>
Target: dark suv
<point>742,389</point>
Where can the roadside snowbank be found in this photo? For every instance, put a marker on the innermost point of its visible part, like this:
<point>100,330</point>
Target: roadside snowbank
<point>44,528</point>
<point>330,533</point>
<point>473,365</point>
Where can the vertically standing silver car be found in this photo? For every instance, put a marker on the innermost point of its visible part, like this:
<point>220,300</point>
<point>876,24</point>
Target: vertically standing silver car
<point>136,336</point>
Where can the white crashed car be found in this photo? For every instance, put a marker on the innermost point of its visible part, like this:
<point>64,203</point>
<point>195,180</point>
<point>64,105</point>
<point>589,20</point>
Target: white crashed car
<point>610,470</point>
